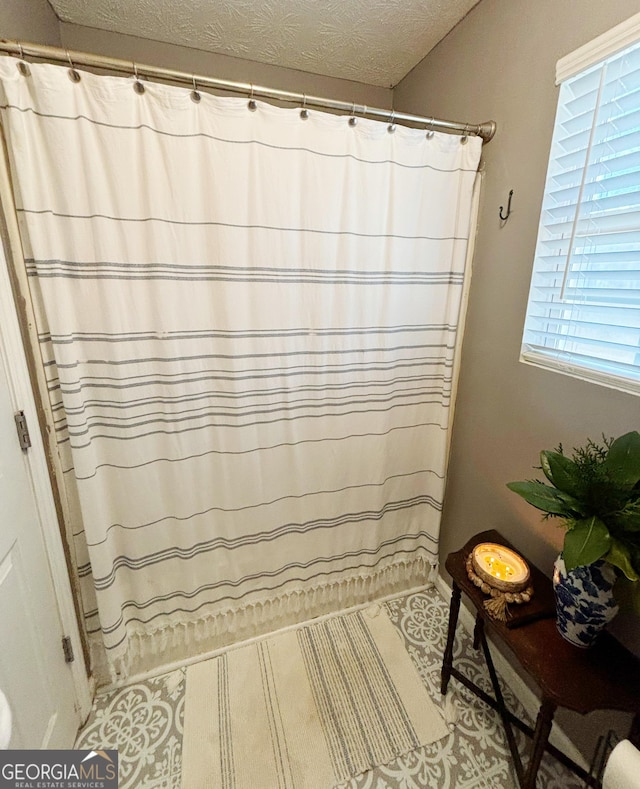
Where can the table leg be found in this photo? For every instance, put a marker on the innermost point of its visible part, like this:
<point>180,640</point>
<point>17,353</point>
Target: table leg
<point>447,662</point>
<point>477,631</point>
<point>634,734</point>
<point>544,722</point>
<point>501,706</point>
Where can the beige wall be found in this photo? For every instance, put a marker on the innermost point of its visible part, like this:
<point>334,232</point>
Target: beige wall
<point>29,20</point>
<point>499,63</point>
<point>197,61</point>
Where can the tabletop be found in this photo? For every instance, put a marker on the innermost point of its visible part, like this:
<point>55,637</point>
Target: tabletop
<point>605,676</point>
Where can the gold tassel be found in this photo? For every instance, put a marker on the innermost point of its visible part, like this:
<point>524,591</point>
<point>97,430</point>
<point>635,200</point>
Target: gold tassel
<point>497,608</point>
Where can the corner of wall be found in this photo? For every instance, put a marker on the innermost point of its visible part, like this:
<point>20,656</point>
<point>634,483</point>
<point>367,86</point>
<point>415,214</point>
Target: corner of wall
<point>34,21</point>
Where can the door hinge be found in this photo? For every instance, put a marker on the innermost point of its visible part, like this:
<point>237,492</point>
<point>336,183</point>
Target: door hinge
<point>67,648</point>
<point>23,430</point>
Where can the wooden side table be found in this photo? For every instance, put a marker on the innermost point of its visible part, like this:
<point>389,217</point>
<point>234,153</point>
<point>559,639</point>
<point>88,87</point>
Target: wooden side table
<point>606,676</point>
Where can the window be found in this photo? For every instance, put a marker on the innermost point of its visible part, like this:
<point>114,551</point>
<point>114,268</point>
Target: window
<point>583,316</point>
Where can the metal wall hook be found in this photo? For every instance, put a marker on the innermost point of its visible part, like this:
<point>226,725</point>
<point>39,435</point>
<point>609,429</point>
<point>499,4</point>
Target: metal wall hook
<point>508,214</point>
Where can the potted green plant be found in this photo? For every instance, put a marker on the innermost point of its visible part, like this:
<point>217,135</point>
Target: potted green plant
<point>596,494</point>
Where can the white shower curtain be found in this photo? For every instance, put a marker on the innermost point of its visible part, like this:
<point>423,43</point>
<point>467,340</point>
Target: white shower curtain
<point>248,323</point>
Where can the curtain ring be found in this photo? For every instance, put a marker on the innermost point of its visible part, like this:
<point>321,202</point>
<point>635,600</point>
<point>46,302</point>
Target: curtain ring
<point>251,104</point>
<point>465,137</point>
<point>73,75</point>
<point>430,132</point>
<point>392,127</point>
<point>21,65</point>
<point>195,95</point>
<point>353,120</point>
<point>137,85</point>
<point>304,112</point>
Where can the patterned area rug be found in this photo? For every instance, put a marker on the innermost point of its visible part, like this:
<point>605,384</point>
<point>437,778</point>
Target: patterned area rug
<point>326,702</point>
<point>145,721</point>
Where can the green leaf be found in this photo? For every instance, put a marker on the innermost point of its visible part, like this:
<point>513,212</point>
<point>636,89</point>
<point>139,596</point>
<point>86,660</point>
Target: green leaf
<point>585,543</point>
<point>562,472</point>
<point>620,556</point>
<point>627,520</point>
<point>546,498</point>
<point>623,459</point>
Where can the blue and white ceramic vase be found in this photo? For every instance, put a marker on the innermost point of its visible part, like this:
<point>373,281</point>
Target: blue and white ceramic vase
<point>584,600</point>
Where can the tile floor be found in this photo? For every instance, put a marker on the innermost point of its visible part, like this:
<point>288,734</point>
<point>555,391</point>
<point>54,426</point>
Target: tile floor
<point>144,721</point>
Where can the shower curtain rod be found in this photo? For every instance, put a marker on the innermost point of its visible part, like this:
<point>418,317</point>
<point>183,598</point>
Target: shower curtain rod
<point>484,130</point>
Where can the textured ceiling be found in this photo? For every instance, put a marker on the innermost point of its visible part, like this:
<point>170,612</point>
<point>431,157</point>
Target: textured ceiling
<point>371,41</point>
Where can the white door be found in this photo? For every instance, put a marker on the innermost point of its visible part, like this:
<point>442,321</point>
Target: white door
<point>34,677</point>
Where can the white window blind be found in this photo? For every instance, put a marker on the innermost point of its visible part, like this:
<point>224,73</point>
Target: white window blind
<point>583,316</point>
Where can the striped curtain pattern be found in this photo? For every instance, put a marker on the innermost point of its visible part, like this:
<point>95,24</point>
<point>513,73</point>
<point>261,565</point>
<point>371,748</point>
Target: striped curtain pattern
<point>248,323</point>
